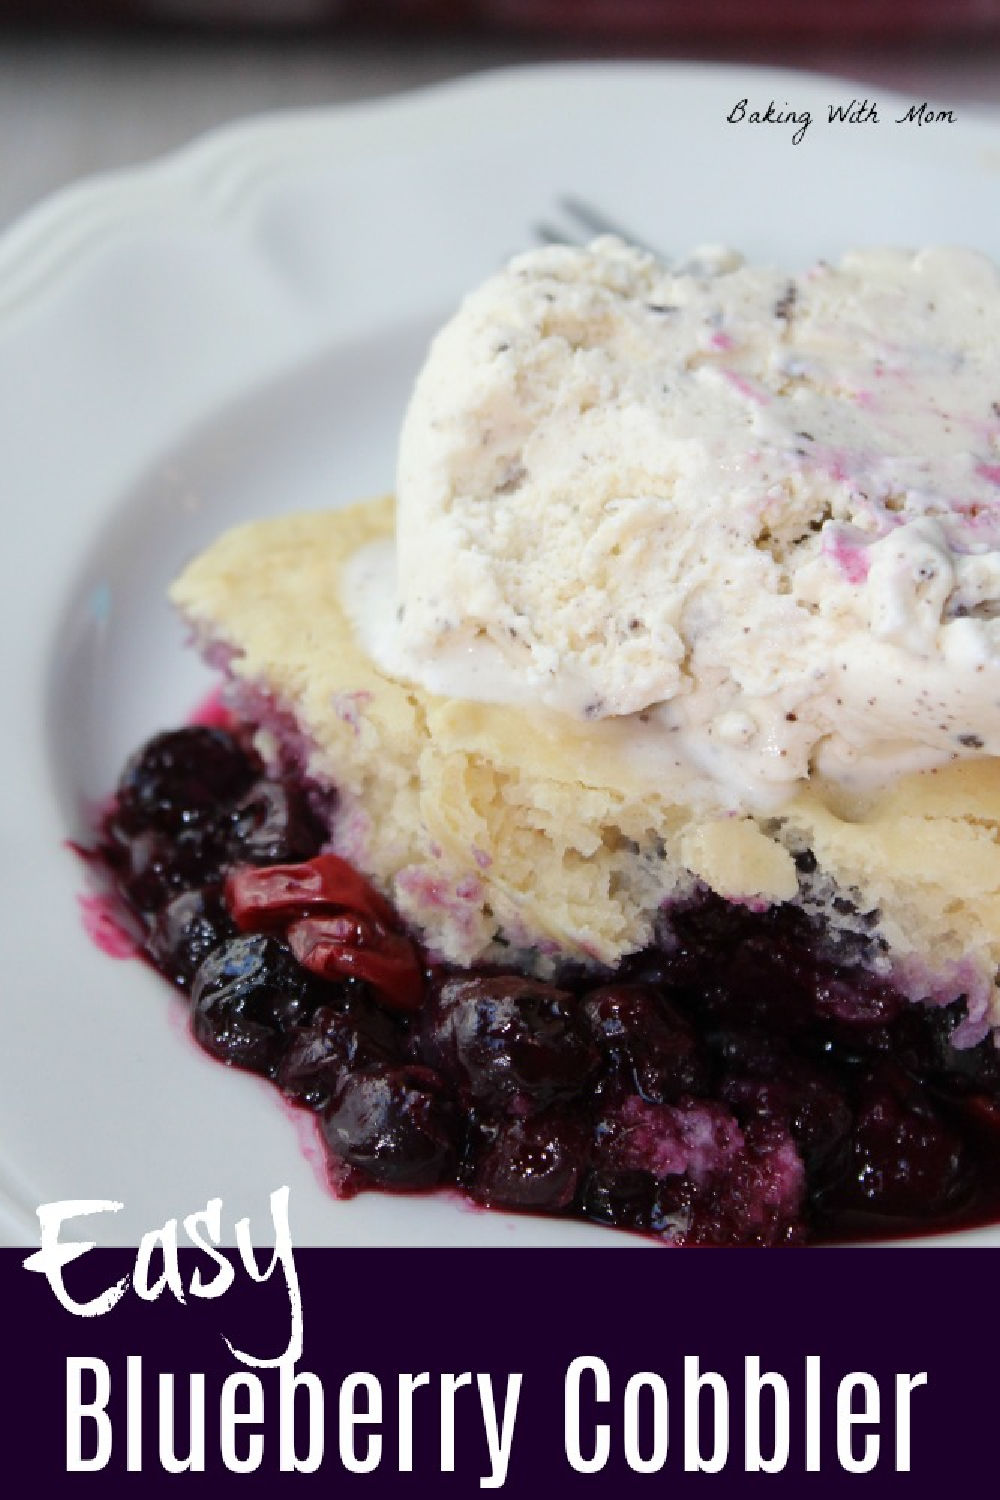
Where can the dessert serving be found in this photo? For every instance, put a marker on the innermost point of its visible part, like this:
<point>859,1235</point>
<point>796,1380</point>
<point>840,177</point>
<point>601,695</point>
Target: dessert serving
<point>608,824</point>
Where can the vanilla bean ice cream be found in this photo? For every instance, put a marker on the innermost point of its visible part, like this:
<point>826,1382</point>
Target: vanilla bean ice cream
<point>693,581</point>
<point>764,511</point>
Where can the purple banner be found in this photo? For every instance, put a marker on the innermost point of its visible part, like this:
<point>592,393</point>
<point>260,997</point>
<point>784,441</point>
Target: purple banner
<point>461,1372</point>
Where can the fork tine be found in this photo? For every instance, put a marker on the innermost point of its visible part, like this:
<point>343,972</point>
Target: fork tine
<point>599,223</point>
<point>549,235</point>
<point>584,216</point>
<point>591,218</point>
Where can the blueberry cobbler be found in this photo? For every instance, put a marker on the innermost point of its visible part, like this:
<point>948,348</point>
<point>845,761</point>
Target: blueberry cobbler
<point>608,825</point>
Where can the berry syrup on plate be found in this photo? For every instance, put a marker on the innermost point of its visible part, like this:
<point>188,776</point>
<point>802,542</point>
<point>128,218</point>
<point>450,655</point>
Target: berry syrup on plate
<point>737,1083</point>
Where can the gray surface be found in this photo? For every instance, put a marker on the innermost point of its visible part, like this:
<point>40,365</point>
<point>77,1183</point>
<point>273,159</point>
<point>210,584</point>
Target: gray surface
<point>72,107</point>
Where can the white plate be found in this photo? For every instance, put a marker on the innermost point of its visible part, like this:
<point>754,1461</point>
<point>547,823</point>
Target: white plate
<point>231,333</point>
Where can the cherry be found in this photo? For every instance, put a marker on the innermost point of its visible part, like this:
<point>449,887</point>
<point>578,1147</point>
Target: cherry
<point>336,923</point>
<point>266,899</point>
<point>360,948</point>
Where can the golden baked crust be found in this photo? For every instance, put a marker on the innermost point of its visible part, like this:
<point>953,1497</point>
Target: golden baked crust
<point>488,822</point>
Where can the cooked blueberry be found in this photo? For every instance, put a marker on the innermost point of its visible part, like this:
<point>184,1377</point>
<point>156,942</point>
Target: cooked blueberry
<point>755,1199</point>
<point>672,1212</point>
<point>766,984</point>
<point>625,1200</point>
<point>156,866</point>
<point>533,1163</point>
<point>648,1038</point>
<point>246,999</point>
<point>745,1050</point>
<point>181,777</point>
<point>397,1126</point>
<point>359,1034</point>
<point>857,999</point>
<point>980,1117</point>
<point>187,929</point>
<point>506,1038</point>
<point>903,1159</point>
<point>798,1098</point>
<point>961,1069</point>
<point>272,824</point>
<point>699,1136</point>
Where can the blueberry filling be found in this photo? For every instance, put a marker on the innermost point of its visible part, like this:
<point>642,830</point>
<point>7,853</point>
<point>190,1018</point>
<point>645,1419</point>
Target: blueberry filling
<point>739,1082</point>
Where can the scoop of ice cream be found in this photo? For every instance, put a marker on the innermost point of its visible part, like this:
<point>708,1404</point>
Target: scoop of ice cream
<point>762,511</point>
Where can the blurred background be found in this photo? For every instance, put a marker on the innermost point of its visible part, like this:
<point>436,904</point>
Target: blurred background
<point>87,85</point>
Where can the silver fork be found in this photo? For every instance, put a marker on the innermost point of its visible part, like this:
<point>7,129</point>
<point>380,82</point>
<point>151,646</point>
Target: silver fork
<point>585,222</point>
